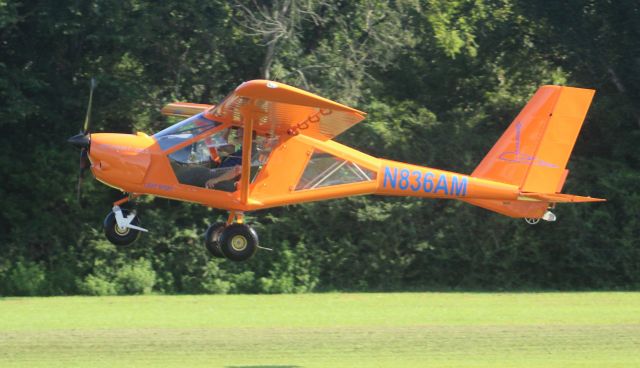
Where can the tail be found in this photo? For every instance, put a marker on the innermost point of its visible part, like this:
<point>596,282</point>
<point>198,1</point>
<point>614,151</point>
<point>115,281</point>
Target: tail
<point>533,152</point>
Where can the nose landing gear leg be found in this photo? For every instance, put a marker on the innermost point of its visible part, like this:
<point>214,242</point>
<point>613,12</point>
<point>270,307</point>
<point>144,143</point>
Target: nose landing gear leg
<point>121,226</point>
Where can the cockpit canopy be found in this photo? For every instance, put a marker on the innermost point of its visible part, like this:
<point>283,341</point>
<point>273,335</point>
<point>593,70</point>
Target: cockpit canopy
<point>210,152</point>
<point>184,130</point>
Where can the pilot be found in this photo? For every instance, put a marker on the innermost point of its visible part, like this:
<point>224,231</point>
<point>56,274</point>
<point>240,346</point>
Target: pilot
<point>229,169</point>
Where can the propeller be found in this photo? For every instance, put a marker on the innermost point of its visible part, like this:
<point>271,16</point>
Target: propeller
<point>82,140</point>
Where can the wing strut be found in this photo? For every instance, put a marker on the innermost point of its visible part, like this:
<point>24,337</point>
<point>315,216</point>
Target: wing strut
<point>248,115</point>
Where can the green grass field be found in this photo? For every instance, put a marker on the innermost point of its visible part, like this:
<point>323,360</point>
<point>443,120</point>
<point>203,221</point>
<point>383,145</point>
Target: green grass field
<point>324,330</point>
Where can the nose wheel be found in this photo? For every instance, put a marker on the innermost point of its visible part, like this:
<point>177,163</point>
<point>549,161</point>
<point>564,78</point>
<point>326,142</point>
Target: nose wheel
<point>125,232</point>
<point>237,242</point>
<point>121,226</point>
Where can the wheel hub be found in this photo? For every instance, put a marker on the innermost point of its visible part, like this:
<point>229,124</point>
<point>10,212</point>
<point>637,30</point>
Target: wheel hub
<point>239,243</point>
<point>122,231</point>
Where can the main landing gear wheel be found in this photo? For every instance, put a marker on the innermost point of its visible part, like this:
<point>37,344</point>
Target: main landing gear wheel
<point>117,235</point>
<point>238,242</point>
<point>212,239</point>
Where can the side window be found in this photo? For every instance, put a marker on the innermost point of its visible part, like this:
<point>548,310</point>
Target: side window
<point>261,150</point>
<point>215,162</point>
<point>324,169</point>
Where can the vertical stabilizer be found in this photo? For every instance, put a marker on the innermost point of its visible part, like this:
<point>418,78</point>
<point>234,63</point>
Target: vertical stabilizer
<point>533,152</point>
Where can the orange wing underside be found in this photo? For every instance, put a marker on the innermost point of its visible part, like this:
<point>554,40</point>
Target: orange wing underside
<point>278,109</point>
<point>184,109</point>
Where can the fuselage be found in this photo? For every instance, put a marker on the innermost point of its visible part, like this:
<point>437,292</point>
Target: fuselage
<point>138,164</point>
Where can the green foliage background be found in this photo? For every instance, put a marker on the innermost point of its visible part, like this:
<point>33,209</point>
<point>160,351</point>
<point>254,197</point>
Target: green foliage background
<point>440,80</point>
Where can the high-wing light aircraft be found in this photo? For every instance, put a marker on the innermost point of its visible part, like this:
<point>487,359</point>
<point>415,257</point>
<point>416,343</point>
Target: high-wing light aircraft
<point>269,144</point>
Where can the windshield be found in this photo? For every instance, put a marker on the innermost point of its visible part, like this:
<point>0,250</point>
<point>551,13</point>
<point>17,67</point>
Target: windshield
<point>184,130</point>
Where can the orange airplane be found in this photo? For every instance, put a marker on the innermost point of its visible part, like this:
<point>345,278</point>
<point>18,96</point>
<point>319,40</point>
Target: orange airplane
<point>269,144</point>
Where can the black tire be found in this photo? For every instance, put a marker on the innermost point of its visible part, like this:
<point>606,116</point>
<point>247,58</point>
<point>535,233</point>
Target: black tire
<point>212,237</point>
<point>238,242</point>
<point>118,236</point>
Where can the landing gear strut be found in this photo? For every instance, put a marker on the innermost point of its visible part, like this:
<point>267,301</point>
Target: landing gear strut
<point>121,226</point>
<point>234,240</point>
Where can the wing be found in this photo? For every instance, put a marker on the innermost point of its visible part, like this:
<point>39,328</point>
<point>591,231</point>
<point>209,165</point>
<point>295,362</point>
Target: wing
<point>184,109</point>
<point>279,109</point>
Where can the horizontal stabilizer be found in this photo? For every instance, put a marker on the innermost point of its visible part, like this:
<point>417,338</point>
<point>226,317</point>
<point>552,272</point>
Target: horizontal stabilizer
<point>557,197</point>
<point>529,204</point>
